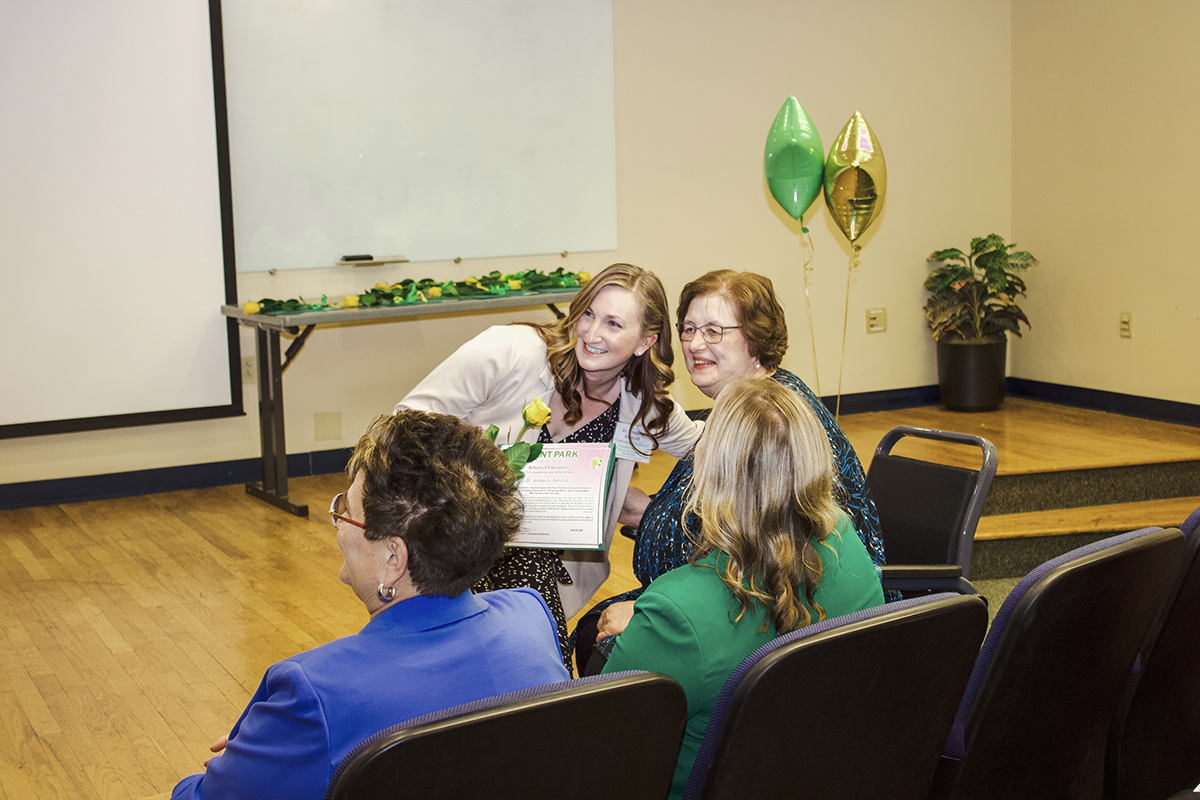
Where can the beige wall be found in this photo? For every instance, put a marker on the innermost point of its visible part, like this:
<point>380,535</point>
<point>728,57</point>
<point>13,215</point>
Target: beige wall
<point>697,87</point>
<point>1105,179</point>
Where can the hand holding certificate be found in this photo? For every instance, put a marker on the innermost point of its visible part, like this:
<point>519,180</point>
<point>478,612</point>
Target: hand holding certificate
<point>565,492</point>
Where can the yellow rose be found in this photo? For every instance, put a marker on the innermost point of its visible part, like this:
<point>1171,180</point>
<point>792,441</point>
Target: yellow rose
<point>584,277</point>
<point>350,301</point>
<point>514,284</point>
<point>536,413</point>
<point>252,308</point>
<point>434,291</point>
<point>382,286</point>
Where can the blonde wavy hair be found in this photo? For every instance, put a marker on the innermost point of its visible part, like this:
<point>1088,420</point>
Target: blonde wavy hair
<point>647,375</point>
<point>763,491</point>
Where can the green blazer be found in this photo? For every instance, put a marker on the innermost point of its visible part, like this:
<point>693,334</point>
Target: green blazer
<point>683,626</point>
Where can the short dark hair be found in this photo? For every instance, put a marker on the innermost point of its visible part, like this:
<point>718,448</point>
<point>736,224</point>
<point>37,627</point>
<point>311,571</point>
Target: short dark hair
<point>761,317</point>
<point>448,492</point>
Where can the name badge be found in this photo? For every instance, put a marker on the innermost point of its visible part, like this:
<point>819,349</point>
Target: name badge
<point>641,448</point>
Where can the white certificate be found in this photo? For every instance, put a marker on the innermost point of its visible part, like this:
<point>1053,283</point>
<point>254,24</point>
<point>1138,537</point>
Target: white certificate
<point>565,492</point>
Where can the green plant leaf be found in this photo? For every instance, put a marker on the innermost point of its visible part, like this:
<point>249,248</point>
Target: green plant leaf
<point>950,254</point>
<point>973,297</point>
<point>518,456</point>
<point>491,432</point>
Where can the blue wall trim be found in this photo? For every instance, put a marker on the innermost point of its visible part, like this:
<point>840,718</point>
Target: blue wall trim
<point>165,479</point>
<point>884,401</point>
<point>324,462</point>
<point>1113,402</point>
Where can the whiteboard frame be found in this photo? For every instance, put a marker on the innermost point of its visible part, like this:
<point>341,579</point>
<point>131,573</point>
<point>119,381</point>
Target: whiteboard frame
<point>235,407</point>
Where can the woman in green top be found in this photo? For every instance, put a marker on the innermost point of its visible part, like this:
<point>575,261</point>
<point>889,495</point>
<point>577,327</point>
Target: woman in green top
<point>775,553</point>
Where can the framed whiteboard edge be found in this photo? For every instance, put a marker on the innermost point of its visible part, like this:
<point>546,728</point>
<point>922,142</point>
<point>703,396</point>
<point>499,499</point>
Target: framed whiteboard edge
<point>235,408</point>
<point>138,419</point>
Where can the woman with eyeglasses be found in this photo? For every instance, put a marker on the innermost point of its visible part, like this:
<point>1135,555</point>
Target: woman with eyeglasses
<point>774,553</point>
<point>430,505</point>
<point>731,326</point>
<point>603,371</point>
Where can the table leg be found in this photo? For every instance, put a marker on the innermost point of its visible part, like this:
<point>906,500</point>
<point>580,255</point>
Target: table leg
<point>273,488</point>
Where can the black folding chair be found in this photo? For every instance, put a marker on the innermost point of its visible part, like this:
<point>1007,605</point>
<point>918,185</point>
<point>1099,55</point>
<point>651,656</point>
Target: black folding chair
<point>1035,718</point>
<point>595,738</point>
<point>852,707</point>
<point>928,511</point>
<point>1154,745</point>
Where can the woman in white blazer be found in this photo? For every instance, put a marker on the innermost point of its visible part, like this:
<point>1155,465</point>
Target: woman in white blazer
<point>603,370</point>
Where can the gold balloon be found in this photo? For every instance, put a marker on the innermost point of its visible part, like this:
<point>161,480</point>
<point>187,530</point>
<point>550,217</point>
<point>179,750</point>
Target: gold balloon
<point>855,178</point>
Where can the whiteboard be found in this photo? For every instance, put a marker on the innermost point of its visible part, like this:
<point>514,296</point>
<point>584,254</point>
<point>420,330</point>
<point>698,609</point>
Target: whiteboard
<point>111,240</point>
<point>434,129</point>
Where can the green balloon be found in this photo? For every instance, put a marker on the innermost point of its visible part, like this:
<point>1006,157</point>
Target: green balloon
<point>794,160</point>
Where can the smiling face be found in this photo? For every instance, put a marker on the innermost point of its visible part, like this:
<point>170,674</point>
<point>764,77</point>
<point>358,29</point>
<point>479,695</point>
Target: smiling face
<point>609,333</point>
<point>712,365</point>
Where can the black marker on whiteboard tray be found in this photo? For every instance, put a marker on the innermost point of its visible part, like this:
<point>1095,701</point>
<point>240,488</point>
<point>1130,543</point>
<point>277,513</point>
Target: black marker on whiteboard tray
<point>358,258</point>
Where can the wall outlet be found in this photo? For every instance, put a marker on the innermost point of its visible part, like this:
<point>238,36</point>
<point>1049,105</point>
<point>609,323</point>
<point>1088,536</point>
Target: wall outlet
<point>249,369</point>
<point>327,426</point>
<point>1126,325</point>
<point>876,320</point>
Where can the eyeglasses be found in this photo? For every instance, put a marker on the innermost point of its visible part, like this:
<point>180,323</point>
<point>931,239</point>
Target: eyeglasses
<point>711,333</point>
<point>337,512</point>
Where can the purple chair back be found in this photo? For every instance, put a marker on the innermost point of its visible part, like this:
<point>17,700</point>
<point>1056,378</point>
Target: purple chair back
<point>1189,525</point>
<point>1040,700</point>
<point>1154,745</point>
<point>533,743</point>
<point>836,688</point>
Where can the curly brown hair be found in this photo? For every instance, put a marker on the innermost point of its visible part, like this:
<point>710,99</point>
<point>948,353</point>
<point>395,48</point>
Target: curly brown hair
<point>647,375</point>
<point>442,487</point>
<point>759,314</point>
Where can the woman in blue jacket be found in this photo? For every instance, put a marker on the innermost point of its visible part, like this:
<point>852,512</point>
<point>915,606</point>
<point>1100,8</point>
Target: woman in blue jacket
<point>430,506</point>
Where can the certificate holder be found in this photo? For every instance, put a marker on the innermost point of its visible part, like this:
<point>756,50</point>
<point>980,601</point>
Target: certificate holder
<point>565,492</point>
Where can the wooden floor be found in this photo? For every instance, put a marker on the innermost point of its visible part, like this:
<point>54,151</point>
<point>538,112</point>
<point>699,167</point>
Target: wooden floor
<point>1034,437</point>
<point>134,631</point>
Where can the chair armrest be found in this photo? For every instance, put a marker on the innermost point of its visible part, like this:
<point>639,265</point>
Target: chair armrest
<point>924,577</point>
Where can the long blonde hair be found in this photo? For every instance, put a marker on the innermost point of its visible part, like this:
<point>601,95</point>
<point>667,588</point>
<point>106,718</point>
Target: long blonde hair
<point>763,491</point>
<point>647,375</point>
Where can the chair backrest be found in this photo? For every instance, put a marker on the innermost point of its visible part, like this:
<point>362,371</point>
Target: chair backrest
<point>928,511</point>
<point>607,736</point>
<point>1035,717</point>
<point>855,706</point>
<point>1191,523</point>
<point>1154,745</point>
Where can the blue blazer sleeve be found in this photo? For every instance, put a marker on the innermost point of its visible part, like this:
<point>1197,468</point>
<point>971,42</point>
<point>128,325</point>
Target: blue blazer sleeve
<point>278,749</point>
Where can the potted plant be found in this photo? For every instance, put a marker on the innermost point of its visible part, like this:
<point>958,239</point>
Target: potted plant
<point>972,307</point>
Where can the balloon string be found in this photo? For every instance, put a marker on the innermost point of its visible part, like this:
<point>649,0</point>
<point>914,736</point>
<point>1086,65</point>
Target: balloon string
<point>806,263</point>
<point>845,320</point>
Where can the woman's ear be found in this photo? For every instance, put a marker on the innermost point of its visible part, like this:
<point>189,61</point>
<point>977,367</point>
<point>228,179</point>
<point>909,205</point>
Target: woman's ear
<point>646,343</point>
<point>397,558</point>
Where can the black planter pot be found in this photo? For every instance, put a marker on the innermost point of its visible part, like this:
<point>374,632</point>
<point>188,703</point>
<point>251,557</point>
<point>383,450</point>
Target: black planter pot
<point>971,376</point>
